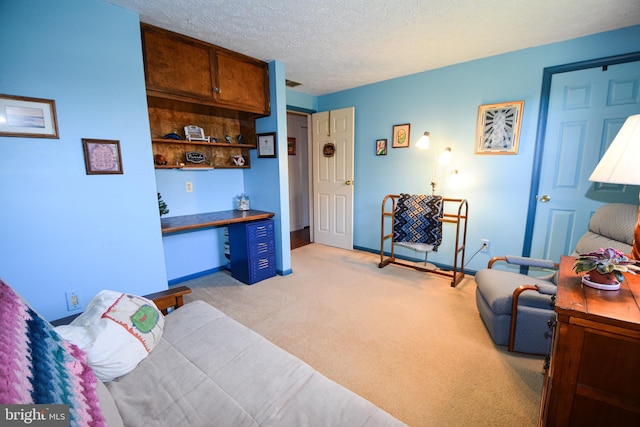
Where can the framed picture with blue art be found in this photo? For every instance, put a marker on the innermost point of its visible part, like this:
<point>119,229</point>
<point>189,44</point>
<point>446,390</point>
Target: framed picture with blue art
<point>27,117</point>
<point>498,128</point>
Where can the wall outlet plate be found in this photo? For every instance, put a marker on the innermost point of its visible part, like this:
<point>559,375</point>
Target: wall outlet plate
<point>485,245</point>
<point>73,300</point>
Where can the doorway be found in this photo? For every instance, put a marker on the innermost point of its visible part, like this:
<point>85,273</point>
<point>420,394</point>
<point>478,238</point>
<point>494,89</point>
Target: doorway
<point>298,130</point>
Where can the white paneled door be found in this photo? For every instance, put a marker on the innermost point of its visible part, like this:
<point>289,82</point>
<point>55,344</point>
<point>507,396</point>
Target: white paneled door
<point>586,110</point>
<point>332,141</point>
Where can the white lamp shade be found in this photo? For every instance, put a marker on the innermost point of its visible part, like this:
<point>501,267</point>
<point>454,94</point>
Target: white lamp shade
<point>423,142</point>
<point>445,157</point>
<point>621,162</point>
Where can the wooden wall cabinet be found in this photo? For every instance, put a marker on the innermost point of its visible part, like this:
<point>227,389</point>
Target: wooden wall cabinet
<point>593,378</point>
<point>190,82</point>
<point>182,68</point>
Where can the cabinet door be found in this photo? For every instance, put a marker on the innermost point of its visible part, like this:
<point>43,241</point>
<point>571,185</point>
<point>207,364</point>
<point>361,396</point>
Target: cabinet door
<point>243,83</point>
<point>177,65</point>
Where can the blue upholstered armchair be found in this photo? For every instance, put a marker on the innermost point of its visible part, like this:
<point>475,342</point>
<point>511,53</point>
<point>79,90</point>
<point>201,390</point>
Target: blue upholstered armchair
<point>517,308</point>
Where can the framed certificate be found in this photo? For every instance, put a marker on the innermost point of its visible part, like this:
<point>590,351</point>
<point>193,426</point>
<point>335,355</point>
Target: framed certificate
<point>267,144</point>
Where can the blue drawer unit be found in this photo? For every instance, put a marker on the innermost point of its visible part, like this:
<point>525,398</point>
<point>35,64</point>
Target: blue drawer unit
<point>252,251</point>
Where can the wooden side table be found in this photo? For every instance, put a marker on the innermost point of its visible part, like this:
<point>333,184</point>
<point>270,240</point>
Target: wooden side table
<point>593,378</point>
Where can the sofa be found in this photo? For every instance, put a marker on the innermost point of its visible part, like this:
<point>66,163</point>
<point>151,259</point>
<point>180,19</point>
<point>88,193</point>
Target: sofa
<point>202,368</point>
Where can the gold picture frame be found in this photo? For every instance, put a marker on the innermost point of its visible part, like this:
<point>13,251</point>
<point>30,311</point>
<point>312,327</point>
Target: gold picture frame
<point>498,128</point>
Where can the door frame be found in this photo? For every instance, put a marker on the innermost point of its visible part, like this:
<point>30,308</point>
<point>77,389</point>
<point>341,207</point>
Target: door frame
<point>547,76</point>
<point>308,114</point>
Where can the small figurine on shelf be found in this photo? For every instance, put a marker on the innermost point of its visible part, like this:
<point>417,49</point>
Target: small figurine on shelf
<point>239,138</point>
<point>160,160</point>
<point>228,139</point>
<point>238,160</point>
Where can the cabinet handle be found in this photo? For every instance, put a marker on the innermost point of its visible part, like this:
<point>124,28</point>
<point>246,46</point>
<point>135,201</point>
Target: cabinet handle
<point>216,90</point>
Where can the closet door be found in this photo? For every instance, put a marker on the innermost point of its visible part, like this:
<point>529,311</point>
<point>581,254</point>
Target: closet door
<point>586,110</point>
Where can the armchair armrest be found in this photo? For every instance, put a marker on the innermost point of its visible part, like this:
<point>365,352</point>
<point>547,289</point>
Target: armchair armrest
<point>524,261</point>
<point>541,288</point>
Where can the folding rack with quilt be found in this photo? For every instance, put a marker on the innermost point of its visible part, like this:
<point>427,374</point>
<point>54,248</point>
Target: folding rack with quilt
<point>416,221</point>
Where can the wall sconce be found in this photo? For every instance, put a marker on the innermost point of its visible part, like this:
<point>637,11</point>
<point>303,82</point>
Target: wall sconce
<point>443,158</point>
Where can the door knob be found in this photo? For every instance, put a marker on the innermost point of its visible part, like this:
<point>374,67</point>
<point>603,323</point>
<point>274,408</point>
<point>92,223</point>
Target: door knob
<point>545,198</point>
<point>348,182</point>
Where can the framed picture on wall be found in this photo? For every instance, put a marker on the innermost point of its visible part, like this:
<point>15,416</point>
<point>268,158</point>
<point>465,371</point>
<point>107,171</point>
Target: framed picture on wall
<point>102,156</point>
<point>401,136</point>
<point>498,128</point>
<point>381,147</point>
<point>28,117</point>
<point>267,144</point>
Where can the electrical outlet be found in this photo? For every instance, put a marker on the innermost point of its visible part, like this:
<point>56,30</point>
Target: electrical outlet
<point>73,300</point>
<point>485,245</point>
<point>188,186</point>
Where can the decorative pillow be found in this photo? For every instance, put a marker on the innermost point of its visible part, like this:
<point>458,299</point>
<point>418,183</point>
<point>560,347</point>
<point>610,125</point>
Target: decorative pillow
<point>38,367</point>
<point>117,331</point>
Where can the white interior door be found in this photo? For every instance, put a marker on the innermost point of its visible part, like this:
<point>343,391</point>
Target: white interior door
<point>332,141</point>
<point>586,110</point>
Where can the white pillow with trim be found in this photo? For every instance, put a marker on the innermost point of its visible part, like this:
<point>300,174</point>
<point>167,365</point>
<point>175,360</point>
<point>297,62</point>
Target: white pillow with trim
<point>117,331</point>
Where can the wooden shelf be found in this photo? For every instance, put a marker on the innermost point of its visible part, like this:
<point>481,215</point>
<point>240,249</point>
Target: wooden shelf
<point>208,144</point>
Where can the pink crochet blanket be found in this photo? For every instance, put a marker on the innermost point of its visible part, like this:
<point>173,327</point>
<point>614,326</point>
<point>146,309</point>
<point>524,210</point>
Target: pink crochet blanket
<point>38,366</point>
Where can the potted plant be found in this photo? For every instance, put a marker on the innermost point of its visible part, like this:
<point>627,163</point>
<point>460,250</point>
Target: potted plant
<point>605,268</point>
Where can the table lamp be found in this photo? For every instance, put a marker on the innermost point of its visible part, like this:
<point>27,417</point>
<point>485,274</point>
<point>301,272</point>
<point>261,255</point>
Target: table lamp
<point>619,163</point>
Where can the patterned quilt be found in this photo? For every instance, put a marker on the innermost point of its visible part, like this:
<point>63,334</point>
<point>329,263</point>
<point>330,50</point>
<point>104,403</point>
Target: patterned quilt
<point>39,367</point>
<point>416,219</point>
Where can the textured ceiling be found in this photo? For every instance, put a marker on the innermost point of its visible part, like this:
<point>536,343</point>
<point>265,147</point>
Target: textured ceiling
<point>331,45</point>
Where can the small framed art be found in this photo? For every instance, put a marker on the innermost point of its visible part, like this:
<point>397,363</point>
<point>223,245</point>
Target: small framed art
<point>401,136</point>
<point>267,144</point>
<point>381,147</point>
<point>498,128</point>
<point>102,156</point>
<point>291,146</point>
<point>28,117</point>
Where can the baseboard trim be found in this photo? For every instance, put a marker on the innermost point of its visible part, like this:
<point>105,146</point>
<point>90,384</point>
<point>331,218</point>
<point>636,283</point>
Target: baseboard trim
<point>178,280</point>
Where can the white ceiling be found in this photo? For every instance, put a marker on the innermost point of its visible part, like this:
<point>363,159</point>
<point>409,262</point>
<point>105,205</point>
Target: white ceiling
<point>331,45</point>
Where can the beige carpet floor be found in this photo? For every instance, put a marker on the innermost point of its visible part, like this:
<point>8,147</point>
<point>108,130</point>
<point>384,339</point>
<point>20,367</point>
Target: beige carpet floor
<point>403,339</point>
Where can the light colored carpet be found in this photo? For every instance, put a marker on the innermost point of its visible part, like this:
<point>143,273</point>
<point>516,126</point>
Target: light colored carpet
<point>403,339</point>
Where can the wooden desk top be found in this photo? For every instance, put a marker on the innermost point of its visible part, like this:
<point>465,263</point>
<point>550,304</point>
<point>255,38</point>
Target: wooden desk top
<point>617,308</point>
<point>210,219</point>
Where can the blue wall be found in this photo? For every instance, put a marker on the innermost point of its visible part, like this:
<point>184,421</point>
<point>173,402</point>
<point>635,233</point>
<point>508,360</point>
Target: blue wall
<point>61,229</point>
<point>445,103</point>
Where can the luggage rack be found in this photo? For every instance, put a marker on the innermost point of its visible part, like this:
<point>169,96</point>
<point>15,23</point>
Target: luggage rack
<point>459,218</point>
